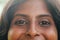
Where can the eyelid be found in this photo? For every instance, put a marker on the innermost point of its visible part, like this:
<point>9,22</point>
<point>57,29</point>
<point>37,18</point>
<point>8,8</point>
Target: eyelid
<point>44,19</point>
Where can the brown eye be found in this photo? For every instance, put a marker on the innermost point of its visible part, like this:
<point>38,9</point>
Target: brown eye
<point>21,22</point>
<point>44,23</point>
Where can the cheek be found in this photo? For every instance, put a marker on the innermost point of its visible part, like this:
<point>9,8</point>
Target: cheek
<point>51,35</point>
<point>14,34</point>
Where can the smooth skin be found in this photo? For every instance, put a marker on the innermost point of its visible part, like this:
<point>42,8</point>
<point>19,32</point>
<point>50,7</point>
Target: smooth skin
<point>32,21</point>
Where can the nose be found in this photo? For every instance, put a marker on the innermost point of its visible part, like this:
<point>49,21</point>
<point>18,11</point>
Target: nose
<point>32,32</point>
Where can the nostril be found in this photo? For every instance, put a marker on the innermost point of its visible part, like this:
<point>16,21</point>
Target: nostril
<point>28,35</point>
<point>34,35</point>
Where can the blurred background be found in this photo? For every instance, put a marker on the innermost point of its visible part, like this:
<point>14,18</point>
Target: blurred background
<point>2,4</point>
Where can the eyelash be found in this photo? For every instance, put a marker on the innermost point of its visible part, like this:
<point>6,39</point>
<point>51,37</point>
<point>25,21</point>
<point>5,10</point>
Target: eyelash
<point>44,23</point>
<point>21,22</point>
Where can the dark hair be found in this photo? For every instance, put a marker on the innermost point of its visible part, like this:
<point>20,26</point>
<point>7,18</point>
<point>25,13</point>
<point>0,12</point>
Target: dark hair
<point>8,14</point>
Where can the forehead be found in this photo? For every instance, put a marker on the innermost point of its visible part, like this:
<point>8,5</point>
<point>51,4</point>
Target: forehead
<point>33,7</point>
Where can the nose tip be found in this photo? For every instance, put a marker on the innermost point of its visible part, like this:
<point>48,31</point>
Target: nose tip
<point>32,33</point>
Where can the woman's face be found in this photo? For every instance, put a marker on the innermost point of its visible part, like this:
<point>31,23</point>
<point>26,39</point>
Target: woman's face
<point>32,21</point>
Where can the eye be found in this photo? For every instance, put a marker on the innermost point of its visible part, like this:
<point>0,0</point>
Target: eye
<point>21,22</point>
<point>44,23</point>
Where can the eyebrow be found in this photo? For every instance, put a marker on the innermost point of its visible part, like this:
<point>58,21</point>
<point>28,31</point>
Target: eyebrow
<point>39,16</point>
<point>23,15</point>
<point>44,15</point>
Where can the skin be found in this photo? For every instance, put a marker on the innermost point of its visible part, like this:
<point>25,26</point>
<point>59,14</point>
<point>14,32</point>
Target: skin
<point>32,21</point>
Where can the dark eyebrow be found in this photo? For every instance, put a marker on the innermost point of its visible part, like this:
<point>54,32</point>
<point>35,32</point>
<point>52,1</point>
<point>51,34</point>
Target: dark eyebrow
<point>39,16</point>
<point>23,15</point>
<point>43,15</point>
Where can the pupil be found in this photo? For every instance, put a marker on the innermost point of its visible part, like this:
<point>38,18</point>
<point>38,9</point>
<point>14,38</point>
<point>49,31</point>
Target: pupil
<point>21,22</point>
<point>44,23</point>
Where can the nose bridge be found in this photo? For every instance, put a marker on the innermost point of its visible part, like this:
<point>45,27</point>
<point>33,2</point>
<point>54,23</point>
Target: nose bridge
<point>32,29</point>
<point>32,26</point>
